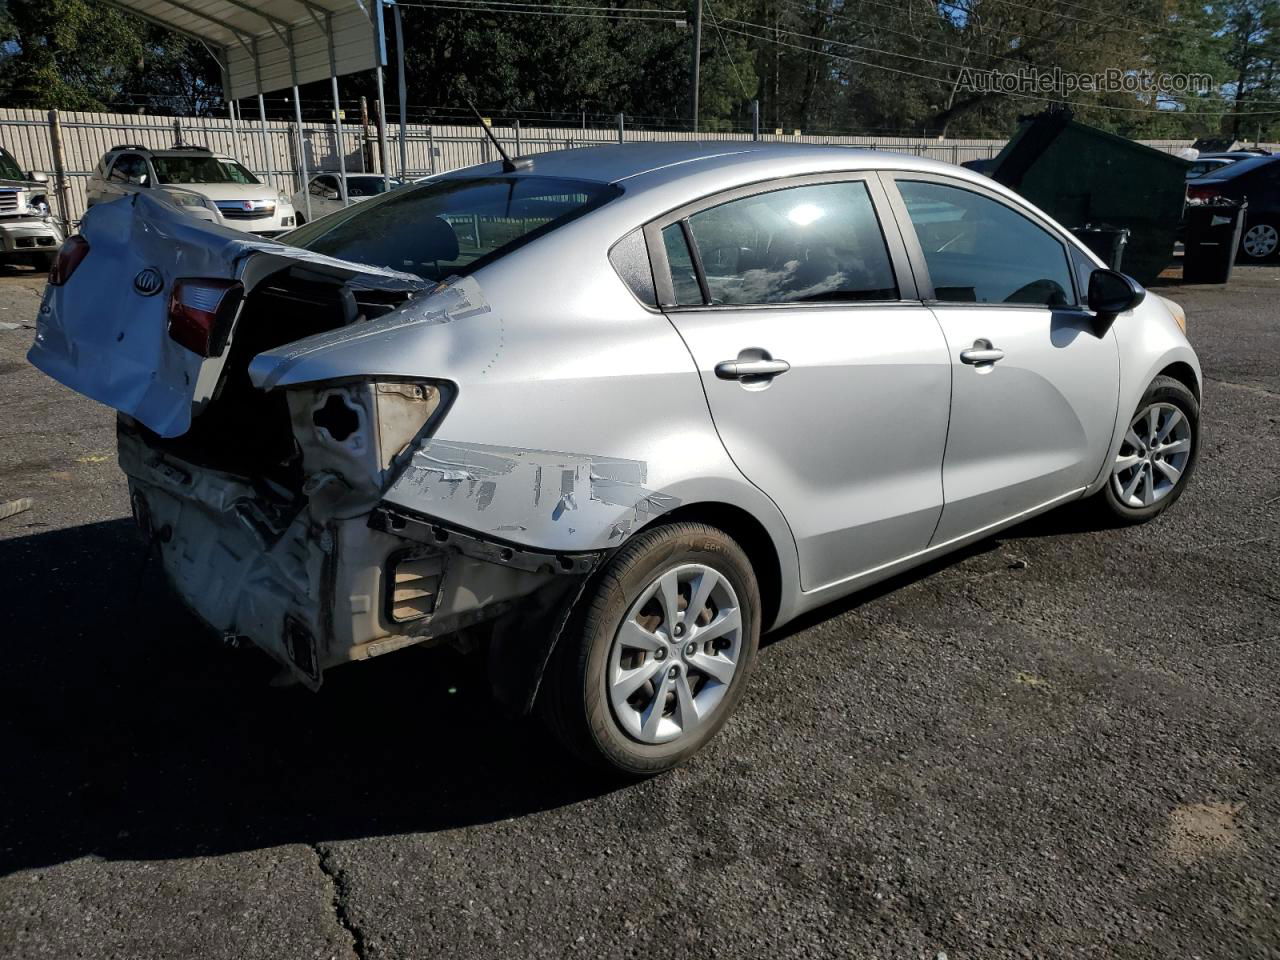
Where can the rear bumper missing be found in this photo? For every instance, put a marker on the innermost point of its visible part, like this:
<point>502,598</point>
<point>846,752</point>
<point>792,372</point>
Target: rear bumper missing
<point>253,563</point>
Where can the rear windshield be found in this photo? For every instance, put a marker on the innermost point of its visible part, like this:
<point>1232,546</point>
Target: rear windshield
<point>452,226</point>
<point>1240,168</point>
<point>369,186</point>
<point>200,170</point>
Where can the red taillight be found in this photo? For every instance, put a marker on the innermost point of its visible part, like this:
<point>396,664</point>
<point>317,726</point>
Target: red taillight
<point>73,250</point>
<point>1202,193</point>
<point>201,312</point>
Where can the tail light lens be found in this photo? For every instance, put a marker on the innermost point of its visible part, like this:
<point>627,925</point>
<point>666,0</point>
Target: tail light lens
<point>1202,193</point>
<point>201,313</point>
<point>73,250</point>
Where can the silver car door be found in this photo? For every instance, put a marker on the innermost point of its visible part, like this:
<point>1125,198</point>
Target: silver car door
<point>1034,390</point>
<point>827,379</point>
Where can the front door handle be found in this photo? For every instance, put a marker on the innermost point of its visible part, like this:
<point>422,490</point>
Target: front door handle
<point>982,352</point>
<point>745,369</point>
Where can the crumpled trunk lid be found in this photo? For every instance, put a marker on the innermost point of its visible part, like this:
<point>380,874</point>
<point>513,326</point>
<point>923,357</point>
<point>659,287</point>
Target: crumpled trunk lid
<point>105,336</point>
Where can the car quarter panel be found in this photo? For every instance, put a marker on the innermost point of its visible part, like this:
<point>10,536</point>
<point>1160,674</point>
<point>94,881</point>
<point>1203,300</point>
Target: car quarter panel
<point>557,369</point>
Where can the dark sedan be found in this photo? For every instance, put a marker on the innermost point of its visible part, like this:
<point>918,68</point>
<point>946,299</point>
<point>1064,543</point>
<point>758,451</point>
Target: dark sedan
<point>1257,180</point>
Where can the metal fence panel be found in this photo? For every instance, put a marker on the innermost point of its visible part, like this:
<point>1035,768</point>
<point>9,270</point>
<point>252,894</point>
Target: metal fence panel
<point>429,148</point>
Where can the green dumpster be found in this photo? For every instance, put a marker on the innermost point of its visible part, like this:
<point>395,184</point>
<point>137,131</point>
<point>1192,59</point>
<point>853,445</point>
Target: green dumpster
<point>1080,176</point>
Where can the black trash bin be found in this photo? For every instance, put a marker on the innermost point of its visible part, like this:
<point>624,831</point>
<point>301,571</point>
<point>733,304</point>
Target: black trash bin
<point>1211,240</point>
<point>1080,175</point>
<point>1107,242</point>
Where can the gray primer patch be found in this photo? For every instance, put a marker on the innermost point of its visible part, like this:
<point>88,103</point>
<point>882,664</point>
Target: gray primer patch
<point>492,489</point>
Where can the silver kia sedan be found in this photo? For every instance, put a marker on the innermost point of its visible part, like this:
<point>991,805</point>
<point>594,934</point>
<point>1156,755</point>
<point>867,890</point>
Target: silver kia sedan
<point>608,414</point>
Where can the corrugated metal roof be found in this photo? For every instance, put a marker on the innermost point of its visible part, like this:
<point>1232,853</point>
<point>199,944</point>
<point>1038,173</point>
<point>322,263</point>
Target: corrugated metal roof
<point>255,39</point>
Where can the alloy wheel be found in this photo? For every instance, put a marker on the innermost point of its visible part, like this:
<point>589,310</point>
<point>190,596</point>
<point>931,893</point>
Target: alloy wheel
<point>675,654</point>
<point>1153,456</point>
<point>1261,240</point>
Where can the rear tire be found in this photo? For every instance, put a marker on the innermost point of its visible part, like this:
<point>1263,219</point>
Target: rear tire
<point>1259,241</point>
<point>636,686</point>
<point>1157,456</point>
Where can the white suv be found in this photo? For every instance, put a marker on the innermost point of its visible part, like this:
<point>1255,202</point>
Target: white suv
<point>207,186</point>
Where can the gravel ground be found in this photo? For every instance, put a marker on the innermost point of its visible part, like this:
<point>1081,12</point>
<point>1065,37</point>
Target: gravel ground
<point>1062,742</point>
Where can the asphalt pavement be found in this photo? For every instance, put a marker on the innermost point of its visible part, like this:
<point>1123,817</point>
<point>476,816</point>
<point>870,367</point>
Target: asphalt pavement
<point>1062,742</point>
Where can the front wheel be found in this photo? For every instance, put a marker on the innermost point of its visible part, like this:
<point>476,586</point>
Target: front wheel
<point>1157,455</point>
<point>658,653</point>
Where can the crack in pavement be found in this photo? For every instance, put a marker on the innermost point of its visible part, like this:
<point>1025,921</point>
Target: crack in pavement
<point>1249,387</point>
<point>341,890</point>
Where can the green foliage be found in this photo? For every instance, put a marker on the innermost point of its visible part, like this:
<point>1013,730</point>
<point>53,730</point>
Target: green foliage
<point>84,55</point>
<point>833,66</point>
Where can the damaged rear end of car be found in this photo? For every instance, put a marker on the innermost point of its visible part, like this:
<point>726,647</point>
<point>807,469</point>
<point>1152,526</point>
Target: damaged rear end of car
<point>294,495</point>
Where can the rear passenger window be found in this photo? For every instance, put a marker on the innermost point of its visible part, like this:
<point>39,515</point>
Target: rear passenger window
<point>684,279</point>
<point>811,244</point>
<point>980,251</point>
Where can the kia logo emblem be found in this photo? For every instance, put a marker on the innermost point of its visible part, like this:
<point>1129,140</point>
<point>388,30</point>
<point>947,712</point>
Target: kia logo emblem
<point>148,282</point>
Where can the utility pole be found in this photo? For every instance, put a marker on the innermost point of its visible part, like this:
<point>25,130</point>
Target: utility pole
<point>404,171</point>
<point>697,57</point>
<point>364,135</point>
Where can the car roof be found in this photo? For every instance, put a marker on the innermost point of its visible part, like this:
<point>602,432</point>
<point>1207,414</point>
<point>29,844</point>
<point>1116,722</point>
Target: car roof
<point>650,162</point>
<point>1241,167</point>
<point>661,175</point>
<point>167,151</point>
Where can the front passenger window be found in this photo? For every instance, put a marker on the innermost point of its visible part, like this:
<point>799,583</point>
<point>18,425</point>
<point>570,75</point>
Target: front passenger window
<point>979,250</point>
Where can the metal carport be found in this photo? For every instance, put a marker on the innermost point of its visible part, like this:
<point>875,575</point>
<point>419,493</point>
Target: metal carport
<point>268,45</point>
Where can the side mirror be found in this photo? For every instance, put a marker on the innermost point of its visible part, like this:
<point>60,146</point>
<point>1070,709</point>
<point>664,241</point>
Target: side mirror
<point>37,176</point>
<point>1111,294</point>
<point>330,194</point>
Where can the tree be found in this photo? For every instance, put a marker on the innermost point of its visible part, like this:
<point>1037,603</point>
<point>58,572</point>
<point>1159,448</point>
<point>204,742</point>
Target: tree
<point>79,55</point>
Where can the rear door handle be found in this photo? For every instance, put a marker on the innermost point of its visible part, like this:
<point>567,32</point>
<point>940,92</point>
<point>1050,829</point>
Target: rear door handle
<point>742,369</point>
<point>981,352</point>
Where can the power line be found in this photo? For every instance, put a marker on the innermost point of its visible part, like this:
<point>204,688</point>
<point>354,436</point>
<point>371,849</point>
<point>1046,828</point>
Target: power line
<point>803,8</point>
<point>551,10</point>
<point>1019,96</point>
<point>957,66</point>
<point>725,46</point>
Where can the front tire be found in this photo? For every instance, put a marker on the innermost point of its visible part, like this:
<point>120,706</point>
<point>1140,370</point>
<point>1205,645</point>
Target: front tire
<point>1157,456</point>
<point>658,653</point>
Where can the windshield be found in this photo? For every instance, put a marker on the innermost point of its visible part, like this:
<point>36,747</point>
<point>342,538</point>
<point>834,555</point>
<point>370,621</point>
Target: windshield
<point>200,169</point>
<point>368,186</point>
<point>452,226</point>
<point>9,169</point>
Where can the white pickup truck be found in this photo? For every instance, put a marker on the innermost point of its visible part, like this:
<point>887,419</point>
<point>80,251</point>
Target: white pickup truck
<point>28,232</point>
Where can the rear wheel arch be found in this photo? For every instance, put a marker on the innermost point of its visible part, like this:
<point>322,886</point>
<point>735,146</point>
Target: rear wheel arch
<point>749,533</point>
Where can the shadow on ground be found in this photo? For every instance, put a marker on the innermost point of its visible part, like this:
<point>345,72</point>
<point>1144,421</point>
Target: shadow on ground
<point>131,733</point>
